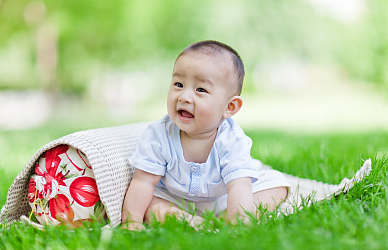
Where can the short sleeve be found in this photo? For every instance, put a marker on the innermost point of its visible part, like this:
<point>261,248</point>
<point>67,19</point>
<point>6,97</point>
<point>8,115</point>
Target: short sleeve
<point>234,149</point>
<point>150,155</point>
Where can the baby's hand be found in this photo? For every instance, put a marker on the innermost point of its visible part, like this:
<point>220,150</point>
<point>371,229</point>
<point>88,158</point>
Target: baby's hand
<point>133,226</point>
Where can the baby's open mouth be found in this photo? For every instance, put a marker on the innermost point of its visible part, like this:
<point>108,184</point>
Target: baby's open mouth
<point>185,114</point>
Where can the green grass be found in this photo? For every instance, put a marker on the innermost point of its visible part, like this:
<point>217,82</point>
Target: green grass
<point>357,220</point>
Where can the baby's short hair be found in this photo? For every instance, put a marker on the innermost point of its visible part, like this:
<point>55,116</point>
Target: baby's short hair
<point>212,47</point>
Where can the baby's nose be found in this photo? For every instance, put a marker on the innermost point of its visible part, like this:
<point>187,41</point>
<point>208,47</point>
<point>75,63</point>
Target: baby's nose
<point>186,96</point>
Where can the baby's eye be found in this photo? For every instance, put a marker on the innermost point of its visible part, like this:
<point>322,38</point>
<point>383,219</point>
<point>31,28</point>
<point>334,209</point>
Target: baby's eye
<point>178,84</point>
<point>201,90</point>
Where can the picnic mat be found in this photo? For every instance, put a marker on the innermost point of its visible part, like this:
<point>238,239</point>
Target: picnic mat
<point>108,150</point>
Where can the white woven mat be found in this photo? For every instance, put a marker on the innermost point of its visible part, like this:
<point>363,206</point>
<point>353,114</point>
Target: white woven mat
<point>108,150</point>
<point>313,191</point>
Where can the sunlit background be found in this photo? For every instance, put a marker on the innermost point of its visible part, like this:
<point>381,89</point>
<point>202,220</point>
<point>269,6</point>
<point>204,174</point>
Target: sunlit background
<point>311,65</point>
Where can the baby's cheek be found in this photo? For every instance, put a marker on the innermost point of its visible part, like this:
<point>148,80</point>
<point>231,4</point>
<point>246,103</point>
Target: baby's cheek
<point>206,114</point>
<point>209,118</point>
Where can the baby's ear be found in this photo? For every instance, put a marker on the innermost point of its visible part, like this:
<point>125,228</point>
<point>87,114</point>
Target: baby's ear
<point>234,105</point>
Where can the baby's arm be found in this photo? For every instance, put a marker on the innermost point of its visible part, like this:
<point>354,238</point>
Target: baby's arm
<point>139,196</point>
<point>240,198</point>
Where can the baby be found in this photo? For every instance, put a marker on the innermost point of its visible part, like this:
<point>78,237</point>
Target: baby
<point>197,154</point>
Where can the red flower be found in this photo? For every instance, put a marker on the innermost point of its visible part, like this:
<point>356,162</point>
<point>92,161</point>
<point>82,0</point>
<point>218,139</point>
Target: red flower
<point>60,208</point>
<point>53,159</point>
<point>52,163</point>
<point>32,191</point>
<point>48,180</point>
<point>84,191</point>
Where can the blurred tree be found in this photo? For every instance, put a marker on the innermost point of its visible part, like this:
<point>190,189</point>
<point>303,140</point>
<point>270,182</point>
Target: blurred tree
<point>97,36</point>
<point>362,47</point>
<point>11,19</point>
<point>377,34</point>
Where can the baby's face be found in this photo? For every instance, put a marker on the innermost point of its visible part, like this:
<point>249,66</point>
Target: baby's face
<point>200,91</point>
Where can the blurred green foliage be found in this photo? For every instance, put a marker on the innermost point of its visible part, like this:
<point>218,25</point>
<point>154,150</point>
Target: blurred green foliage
<point>91,37</point>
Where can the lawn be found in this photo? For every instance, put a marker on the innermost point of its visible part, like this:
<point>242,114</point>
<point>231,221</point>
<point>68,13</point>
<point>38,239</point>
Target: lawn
<point>358,219</point>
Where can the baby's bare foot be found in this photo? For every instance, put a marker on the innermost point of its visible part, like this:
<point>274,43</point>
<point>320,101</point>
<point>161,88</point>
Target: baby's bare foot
<point>133,226</point>
<point>194,221</point>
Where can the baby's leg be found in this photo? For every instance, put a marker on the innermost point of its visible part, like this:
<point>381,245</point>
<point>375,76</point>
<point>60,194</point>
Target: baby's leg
<point>160,208</point>
<point>270,198</point>
<point>270,189</point>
